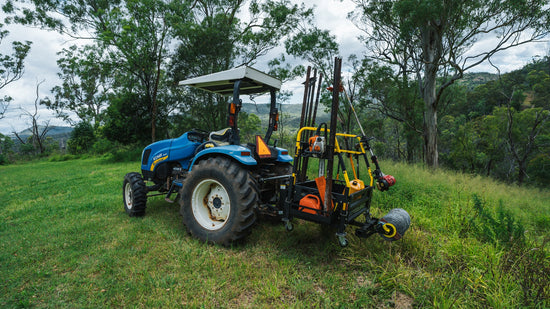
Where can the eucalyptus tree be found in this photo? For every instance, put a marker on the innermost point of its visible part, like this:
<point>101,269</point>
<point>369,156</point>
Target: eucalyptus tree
<point>317,46</point>
<point>11,66</point>
<point>434,38</point>
<point>225,34</point>
<point>137,34</point>
<point>522,132</point>
<point>86,83</point>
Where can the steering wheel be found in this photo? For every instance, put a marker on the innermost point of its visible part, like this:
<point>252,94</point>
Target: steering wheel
<point>201,134</point>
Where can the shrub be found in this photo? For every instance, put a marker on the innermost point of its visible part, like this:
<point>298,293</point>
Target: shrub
<point>130,154</point>
<point>503,229</point>
<point>103,145</point>
<point>82,138</point>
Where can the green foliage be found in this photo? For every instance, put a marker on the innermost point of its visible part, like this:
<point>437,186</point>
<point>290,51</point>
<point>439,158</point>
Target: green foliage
<point>396,97</point>
<point>103,145</point>
<point>539,169</point>
<point>3,159</point>
<point>12,66</point>
<point>130,153</point>
<point>443,35</point>
<point>504,229</point>
<point>127,120</point>
<point>82,138</point>
<point>540,84</point>
<point>501,129</point>
<point>317,47</point>
<point>6,149</point>
<point>249,125</point>
<point>86,75</point>
<point>220,37</point>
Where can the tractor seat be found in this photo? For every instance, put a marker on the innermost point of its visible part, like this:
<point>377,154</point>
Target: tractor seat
<point>220,137</point>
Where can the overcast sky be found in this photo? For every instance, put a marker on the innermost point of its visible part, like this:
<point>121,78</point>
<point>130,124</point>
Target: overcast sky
<point>330,14</point>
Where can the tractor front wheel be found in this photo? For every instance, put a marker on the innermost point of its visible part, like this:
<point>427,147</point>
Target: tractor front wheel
<point>218,201</point>
<point>134,193</point>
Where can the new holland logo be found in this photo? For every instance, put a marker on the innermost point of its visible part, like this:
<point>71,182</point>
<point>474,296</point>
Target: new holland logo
<point>158,158</point>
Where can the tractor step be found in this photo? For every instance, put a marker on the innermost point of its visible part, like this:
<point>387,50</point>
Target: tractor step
<point>176,183</point>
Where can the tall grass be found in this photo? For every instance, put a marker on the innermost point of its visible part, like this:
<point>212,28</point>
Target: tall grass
<point>66,242</point>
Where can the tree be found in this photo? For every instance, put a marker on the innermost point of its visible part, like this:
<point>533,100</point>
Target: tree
<point>126,120</point>
<point>38,132</point>
<point>82,138</point>
<point>222,36</point>
<point>540,85</point>
<point>316,46</point>
<point>87,79</point>
<point>135,33</point>
<point>395,97</point>
<point>11,67</point>
<point>522,131</point>
<point>250,126</point>
<point>436,36</point>
<point>6,146</point>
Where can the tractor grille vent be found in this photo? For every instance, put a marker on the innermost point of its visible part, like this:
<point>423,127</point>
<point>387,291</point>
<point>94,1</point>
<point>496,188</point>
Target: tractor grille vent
<point>145,158</point>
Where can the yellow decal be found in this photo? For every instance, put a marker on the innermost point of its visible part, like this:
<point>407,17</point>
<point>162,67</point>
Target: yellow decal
<point>389,230</point>
<point>157,161</point>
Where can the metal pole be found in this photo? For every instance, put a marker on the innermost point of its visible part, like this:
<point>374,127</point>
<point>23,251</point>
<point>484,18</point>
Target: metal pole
<point>332,137</point>
<point>317,99</point>
<point>304,102</point>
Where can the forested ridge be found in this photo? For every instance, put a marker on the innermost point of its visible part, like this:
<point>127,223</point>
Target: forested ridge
<point>411,85</point>
<point>495,125</point>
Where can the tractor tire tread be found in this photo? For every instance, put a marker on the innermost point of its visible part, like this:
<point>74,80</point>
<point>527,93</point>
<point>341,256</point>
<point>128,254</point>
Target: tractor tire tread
<point>245,200</point>
<point>139,191</point>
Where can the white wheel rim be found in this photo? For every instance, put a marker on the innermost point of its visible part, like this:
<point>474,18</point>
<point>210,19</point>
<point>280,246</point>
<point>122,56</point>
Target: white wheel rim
<point>211,205</point>
<point>128,196</point>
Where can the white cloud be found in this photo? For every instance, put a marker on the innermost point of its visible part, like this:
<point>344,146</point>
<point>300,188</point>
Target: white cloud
<point>40,65</point>
<point>507,60</point>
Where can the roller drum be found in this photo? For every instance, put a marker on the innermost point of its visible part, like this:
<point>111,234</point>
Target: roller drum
<point>395,224</point>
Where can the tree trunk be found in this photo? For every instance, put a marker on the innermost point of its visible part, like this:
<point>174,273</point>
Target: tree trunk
<point>430,135</point>
<point>154,122</point>
<point>431,42</point>
<point>522,172</point>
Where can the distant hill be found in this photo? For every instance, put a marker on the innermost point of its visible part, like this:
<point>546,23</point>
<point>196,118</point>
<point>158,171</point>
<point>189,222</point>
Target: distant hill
<point>472,80</point>
<point>55,132</point>
<point>290,113</point>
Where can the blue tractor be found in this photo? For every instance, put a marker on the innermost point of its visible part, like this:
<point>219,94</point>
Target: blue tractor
<point>222,186</point>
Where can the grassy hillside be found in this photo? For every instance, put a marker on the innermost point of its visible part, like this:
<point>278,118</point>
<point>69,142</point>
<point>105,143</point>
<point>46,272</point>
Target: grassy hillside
<point>66,242</point>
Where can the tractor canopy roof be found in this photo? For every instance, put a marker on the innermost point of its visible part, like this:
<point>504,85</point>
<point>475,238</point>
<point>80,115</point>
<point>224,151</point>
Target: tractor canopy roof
<point>252,81</point>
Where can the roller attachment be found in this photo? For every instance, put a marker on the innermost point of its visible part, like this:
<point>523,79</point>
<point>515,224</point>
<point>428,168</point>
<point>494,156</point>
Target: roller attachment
<point>395,224</point>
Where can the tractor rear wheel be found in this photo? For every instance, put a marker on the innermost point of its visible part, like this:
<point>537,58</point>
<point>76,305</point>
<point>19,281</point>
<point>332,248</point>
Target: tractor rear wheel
<point>218,201</point>
<point>134,193</point>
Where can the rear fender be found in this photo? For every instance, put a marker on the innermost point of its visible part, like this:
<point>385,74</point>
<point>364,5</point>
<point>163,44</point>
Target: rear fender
<point>239,153</point>
<point>282,155</point>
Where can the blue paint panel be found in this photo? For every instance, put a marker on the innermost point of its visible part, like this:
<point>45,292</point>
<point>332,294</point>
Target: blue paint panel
<point>182,148</point>
<point>283,157</point>
<point>179,149</point>
<point>233,151</point>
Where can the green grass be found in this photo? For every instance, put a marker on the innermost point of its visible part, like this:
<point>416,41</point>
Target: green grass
<point>65,241</point>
